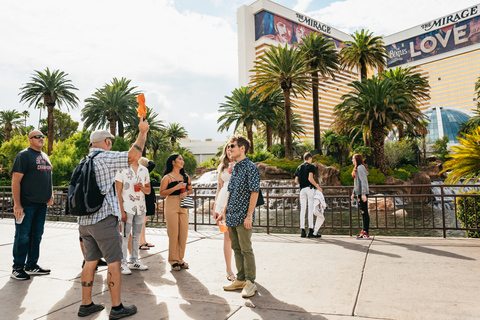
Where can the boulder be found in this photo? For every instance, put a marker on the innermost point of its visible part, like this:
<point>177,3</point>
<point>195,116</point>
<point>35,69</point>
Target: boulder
<point>419,178</point>
<point>327,176</point>
<point>272,172</point>
<point>400,212</point>
<point>200,171</point>
<point>434,171</point>
<point>380,203</point>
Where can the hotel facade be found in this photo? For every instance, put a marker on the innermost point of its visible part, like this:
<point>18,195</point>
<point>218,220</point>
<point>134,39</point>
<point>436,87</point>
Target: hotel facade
<point>446,51</point>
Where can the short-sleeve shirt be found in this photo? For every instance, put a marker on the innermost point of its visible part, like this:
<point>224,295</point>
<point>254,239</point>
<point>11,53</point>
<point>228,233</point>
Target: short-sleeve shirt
<point>36,184</point>
<point>245,178</point>
<point>302,172</point>
<point>133,202</point>
<point>106,165</point>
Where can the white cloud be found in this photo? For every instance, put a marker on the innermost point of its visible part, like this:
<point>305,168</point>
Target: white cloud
<point>301,5</point>
<point>387,16</point>
<point>211,116</point>
<point>193,115</point>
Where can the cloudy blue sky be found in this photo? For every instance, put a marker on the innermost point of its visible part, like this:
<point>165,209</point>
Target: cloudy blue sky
<point>181,53</point>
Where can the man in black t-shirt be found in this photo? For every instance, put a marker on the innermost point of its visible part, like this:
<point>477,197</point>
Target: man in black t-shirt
<point>304,177</point>
<point>32,192</point>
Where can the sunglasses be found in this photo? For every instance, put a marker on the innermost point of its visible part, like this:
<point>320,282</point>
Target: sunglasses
<point>38,136</point>
<point>232,146</point>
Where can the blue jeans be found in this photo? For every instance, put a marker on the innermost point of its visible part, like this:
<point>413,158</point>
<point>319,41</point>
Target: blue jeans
<point>28,234</point>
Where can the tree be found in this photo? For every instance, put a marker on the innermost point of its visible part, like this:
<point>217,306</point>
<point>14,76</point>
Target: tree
<point>112,104</point>
<point>376,104</point>
<point>323,59</point>
<point>285,68</point>
<point>273,101</point>
<point>175,132</point>
<point>414,84</point>
<point>364,51</point>
<point>53,88</point>
<point>465,162</point>
<point>11,120</point>
<point>244,109</point>
<point>472,123</point>
<point>336,144</point>
<point>63,125</point>
<point>279,128</point>
<point>25,114</point>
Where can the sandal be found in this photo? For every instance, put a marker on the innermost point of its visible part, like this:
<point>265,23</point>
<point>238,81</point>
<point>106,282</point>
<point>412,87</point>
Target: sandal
<point>144,247</point>
<point>150,245</point>
<point>184,265</point>
<point>231,276</point>
<point>176,267</point>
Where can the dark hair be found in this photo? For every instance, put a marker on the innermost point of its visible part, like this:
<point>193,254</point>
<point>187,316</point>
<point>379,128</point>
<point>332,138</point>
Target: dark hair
<point>358,159</point>
<point>169,167</point>
<point>241,142</point>
<point>307,156</point>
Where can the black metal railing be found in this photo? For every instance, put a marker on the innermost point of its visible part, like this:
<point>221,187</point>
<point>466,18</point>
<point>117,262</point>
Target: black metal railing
<point>405,210</point>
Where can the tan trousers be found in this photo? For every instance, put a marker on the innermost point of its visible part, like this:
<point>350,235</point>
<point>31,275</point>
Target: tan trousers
<point>177,229</point>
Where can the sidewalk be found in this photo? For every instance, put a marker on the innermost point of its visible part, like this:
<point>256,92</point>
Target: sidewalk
<point>331,278</point>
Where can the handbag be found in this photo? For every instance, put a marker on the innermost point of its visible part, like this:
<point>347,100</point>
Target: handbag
<point>187,203</point>
<point>260,200</point>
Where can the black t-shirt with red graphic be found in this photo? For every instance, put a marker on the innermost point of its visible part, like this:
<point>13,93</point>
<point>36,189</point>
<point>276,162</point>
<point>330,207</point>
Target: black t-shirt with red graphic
<point>36,184</point>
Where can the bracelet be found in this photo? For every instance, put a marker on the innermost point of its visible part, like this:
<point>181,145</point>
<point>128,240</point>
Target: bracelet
<point>247,218</point>
<point>138,148</point>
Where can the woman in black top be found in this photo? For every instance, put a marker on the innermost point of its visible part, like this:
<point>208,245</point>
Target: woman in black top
<point>176,185</point>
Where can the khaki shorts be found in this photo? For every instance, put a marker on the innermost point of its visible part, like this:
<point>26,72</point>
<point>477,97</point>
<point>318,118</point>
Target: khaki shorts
<point>102,239</point>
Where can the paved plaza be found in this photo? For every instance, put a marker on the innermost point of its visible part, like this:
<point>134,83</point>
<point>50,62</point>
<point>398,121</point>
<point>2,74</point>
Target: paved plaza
<point>332,278</point>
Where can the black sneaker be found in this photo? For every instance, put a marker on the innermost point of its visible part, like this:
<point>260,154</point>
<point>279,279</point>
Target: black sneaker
<point>122,313</point>
<point>102,262</point>
<point>303,235</point>
<point>19,274</point>
<point>84,311</point>
<point>37,271</point>
<point>317,235</point>
<point>310,233</point>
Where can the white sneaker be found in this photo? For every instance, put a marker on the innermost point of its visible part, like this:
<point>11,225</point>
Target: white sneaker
<point>125,269</point>
<point>137,265</point>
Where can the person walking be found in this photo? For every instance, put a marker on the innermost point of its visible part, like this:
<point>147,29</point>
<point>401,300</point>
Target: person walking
<point>32,192</point>
<point>132,184</point>
<point>361,191</point>
<point>100,230</point>
<point>304,176</point>
<point>176,185</point>
<point>224,173</point>
<point>243,189</point>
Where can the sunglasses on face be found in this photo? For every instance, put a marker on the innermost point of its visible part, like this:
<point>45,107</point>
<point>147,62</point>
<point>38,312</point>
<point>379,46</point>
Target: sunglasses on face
<point>37,136</point>
<point>232,146</point>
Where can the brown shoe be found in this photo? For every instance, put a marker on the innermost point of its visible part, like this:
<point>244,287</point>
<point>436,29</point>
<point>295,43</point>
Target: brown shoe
<point>235,285</point>
<point>176,267</point>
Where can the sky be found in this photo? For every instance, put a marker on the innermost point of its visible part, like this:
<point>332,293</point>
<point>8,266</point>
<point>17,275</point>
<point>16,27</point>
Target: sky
<point>181,53</point>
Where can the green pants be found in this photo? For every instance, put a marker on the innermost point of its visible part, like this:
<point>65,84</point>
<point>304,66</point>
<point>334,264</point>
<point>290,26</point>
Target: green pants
<point>241,240</point>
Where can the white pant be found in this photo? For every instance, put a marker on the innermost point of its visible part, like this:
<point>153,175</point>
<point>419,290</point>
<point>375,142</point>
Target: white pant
<point>306,194</point>
<point>134,224</point>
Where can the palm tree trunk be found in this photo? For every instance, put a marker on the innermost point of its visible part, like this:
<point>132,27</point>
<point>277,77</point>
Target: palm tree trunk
<point>401,131</point>
<point>268,130</point>
<point>250,137</point>
<point>363,70</point>
<point>316,112</point>
<point>8,133</point>
<point>121,131</point>
<point>112,125</point>
<point>288,124</point>
<point>50,103</point>
<point>378,140</point>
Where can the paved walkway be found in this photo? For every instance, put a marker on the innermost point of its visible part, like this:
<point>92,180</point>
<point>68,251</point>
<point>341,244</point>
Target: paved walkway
<point>333,278</point>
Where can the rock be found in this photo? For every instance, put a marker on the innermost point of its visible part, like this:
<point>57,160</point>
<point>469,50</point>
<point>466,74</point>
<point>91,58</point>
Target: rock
<point>200,171</point>
<point>432,158</point>
<point>419,178</point>
<point>434,171</point>
<point>273,173</point>
<point>380,203</point>
<point>327,176</point>
<point>400,212</point>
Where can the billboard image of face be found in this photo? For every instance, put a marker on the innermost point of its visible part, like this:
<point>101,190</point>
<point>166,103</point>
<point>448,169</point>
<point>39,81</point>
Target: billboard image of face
<point>452,37</point>
<point>283,31</point>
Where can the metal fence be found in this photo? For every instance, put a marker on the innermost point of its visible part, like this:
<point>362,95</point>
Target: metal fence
<point>408,210</point>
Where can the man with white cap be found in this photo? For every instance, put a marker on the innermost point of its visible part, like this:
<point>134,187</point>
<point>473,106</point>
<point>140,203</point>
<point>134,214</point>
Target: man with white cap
<point>100,231</point>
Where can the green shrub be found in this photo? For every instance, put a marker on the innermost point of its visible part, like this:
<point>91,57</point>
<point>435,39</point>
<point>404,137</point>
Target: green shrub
<point>278,150</point>
<point>5,182</point>
<point>323,159</point>
<point>189,166</point>
<point>259,156</point>
<point>401,174</point>
<point>120,144</point>
<point>155,179</point>
<point>398,152</point>
<point>440,148</point>
<point>410,168</point>
<point>466,213</point>
<point>374,176</point>
<point>210,163</point>
<point>285,164</point>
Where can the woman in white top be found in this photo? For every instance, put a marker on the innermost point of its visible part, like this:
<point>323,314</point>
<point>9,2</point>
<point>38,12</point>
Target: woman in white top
<point>224,173</point>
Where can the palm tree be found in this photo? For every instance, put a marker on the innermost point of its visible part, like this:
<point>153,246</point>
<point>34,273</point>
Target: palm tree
<point>26,114</point>
<point>11,120</point>
<point>272,101</point>
<point>414,84</point>
<point>158,141</point>
<point>285,68</point>
<point>53,88</point>
<point>365,50</point>
<point>377,104</point>
<point>465,162</point>
<point>471,123</point>
<point>336,144</point>
<point>175,131</point>
<point>243,108</point>
<point>40,106</point>
<point>155,125</point>
<point>323,59</point>
<point>115,102</point>
<point>279,128</point>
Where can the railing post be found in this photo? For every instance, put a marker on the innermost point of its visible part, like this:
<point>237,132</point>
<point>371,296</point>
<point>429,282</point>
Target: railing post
<point>268,210</point>
<point>195,209</point>
<point>442,194</point>
<point>350,212</point>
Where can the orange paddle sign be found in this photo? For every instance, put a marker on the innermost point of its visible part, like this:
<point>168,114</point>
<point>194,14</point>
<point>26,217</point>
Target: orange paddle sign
<point>142,108</point>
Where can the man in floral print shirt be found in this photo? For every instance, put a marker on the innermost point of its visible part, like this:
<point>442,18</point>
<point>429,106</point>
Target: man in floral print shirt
<point>239,214</point>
